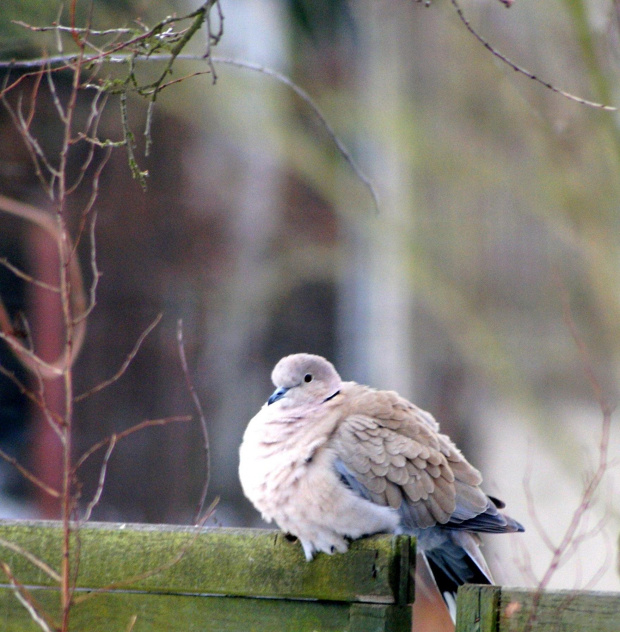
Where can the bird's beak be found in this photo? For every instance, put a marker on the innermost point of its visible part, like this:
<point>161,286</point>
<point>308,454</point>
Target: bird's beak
<point>277,394</point>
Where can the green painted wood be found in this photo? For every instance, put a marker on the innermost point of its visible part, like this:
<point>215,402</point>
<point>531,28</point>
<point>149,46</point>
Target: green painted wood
<point>476,608</point>
<point>559,611</point>
<point>494,609</point>
<point>403,570</point>
<point>234,562</point>
<point>189,613</point>
<point>379,618</point>
<point>110,612</point>
<point>209,580</point>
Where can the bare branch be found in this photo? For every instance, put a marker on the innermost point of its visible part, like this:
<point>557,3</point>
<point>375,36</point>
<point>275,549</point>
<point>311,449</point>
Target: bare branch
<point>201,416</point>
<point>37,155</point>
<point>125,433</point>
<point>603,567</point>
<point>531,506</point>
<point>579,539</point>
<point>572,536</point>
<point>92,122</point>
<point>38,401</point>
<point>523,71</point>
<point>132,622</point>
<point>213,38</point>
<point>27,357</point>
<point>33,99</point>
<point>33,559</point>
<point>307,99</point>
<point>26,277</point>
<point>62,113</point>
<point>278,76</point>
<point>125,364</point>
<point>71,29</point>
<point>29,475</point>
<point>198,73</point>
<point>24,598</point>
<point>102,474</point>
<point>57,34</point>
<point>95,271</point>
<point>571,532</point>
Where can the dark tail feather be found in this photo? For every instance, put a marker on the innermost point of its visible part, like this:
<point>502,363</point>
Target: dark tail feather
<point>453,564</point>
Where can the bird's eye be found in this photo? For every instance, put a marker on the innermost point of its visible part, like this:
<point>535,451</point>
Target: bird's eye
<point>307,377</point>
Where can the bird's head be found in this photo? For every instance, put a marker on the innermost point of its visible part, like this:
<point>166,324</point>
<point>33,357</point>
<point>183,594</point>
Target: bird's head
<point>304,379</point>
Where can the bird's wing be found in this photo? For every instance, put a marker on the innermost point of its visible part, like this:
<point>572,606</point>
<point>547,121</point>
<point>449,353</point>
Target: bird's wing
<point>391,452</point>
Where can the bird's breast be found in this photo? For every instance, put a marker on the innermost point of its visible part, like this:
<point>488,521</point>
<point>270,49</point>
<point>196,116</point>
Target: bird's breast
<point>270,470</point>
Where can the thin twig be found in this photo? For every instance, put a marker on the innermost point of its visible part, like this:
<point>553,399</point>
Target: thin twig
<point>37,155</point>
<point>27,277</point>
<point>201,416</point>
<point>125,433</point>
<point>603,567</point>
<point>213,38</point>
<point>27,357</point>
<point>54,419</point>
<point>71,29</point>
<point>24,390</point>
<point>247,65</point>
<point>48,570</point>
<point>198,73</point>
<point>307,99</point>
<point>96,274</point>
<point>63,115</point>
<point>92,122</point>
<point>33,99</point>
<point>531,506</point>
<point>523,71</point>
<point>29,475</point>
<point>132,622</point>
<point>23,597</point>
<point>102,474</point>
<point>57,33</point>
<point>523,561</point>
<point>33,359</point>
<point>568,544</point>
<point>125,364</point>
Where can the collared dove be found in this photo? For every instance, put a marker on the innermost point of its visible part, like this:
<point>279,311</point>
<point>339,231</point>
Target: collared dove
<point>331,461</point>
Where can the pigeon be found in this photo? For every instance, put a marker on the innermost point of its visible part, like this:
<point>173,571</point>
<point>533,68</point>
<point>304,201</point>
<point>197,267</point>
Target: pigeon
<point>331,461</point>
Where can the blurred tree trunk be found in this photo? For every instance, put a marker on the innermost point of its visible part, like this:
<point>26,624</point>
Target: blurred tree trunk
<point>380,306</point>
<point>383,301</point>
<point>242,312</point>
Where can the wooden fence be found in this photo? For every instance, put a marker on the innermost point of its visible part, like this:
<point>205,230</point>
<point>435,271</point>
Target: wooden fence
<point>182,579</point>
<point>498,609</point>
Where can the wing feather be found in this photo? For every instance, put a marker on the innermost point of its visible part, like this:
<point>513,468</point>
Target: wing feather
<point>395,454</point>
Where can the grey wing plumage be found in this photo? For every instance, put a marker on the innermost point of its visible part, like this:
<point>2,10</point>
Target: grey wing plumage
<point>391,453</point>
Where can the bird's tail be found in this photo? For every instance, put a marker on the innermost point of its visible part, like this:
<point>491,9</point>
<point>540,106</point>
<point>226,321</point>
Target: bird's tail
<point>457,561</point>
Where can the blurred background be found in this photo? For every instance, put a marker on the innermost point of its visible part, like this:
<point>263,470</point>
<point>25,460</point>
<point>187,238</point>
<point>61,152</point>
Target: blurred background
<point>499,204</point>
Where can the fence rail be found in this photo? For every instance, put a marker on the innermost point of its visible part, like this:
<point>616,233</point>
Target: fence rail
<point>499,609</point>
<point>183,579</point>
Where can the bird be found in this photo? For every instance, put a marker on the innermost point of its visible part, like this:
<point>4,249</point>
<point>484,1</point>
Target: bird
<point>331,461</point>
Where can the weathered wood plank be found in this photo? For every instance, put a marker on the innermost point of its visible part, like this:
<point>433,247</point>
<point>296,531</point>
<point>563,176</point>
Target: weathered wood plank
<point>187,613</point>
<point>495,609</point>
<point>233,562</point>
<point>379,618</point>
<point>476,608</point>
<point>560,611</point>
<point>181,613</point>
